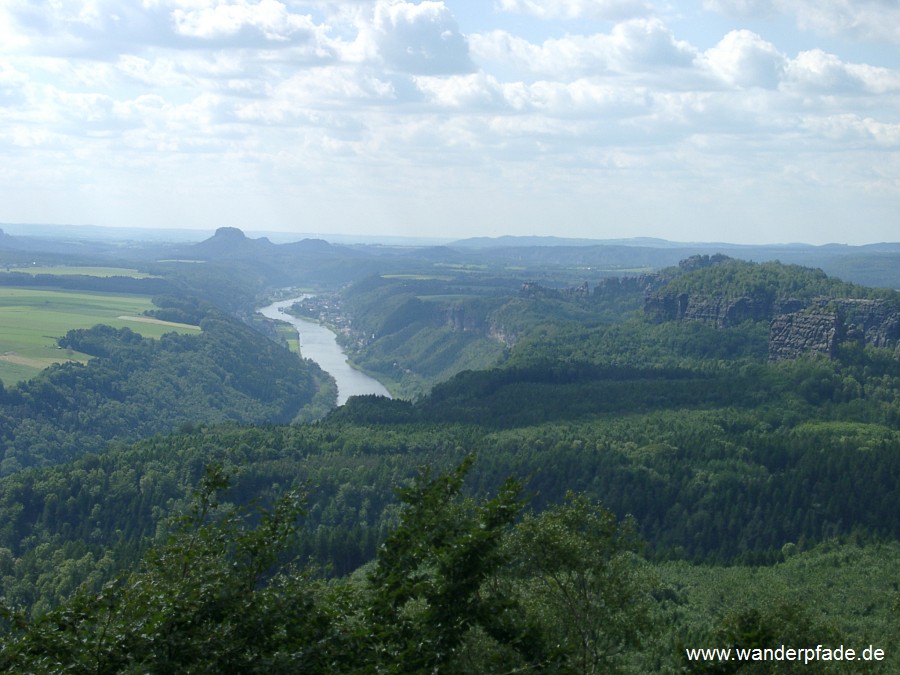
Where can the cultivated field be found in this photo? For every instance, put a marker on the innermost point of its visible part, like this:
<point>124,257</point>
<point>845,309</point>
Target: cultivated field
<point>85,271</point>
<point>289,333</point>
<point>32,320</point>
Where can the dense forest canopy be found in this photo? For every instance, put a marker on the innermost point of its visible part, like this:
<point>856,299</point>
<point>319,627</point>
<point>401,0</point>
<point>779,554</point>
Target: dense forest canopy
<point>135,387</point>
<point>731,278</point>
<point>568,482</point>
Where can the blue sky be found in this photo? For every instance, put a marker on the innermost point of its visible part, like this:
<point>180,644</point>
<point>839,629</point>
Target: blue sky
<point>749,121</point>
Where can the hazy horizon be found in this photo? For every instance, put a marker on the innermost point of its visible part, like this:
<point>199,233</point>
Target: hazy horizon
<point>99,232</point>
<point>740,121</point>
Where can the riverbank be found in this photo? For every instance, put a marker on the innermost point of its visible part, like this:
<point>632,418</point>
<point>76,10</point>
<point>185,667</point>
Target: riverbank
<point>319,343</point>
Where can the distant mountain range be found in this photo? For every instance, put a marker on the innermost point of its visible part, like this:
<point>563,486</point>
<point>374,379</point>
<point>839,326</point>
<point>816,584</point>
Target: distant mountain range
<point>875,264</point>
<point>512,241</point>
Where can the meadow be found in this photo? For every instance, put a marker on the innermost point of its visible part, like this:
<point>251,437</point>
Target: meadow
<point>32,320</point>
<point>289,334</point>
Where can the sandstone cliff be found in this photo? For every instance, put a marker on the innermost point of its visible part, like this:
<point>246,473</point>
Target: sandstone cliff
<point>823,325</point>
<point>796,327</point>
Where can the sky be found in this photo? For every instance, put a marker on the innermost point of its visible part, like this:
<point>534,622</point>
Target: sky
<point>744,121</point>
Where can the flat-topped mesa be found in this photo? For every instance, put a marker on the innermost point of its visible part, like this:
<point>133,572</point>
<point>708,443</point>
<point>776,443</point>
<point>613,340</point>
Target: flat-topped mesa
<point>230,232</point>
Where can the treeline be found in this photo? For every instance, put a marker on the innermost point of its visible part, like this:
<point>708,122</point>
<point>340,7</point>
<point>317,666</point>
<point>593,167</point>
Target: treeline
<point>726,277</point>
<point>188,309</point>
<point>84,282</point>
<point>687,436</point>
<point>234,287</point>
<point>720,455</point>
<point>135,387</point>
<point>704,481</point>
<point>460,585</point>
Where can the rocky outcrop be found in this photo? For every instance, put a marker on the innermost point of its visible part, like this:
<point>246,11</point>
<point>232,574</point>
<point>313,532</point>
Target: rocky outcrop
<point>535,291</point>
<point>477,320</point>
<point>231,243</point>
<point>720,311</point>
<point>809,331</point>
<point>615,287</point>
<point>606,289</point>
<point>871,322</point>
<point>822,326</point>
<point>461,318</point>
<point>797,327</point>
<point>503,335</point>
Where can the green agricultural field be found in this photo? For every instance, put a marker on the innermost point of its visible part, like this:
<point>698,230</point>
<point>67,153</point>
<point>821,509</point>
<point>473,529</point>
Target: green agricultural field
<point>86,271</point>
<point>418,277</point>
<point>289,333</point>
<point>462,266</point>
<point>446,297</point>
<point>32,320</point>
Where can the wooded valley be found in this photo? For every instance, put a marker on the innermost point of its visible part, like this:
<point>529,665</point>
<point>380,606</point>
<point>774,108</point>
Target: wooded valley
<point>581,470</point>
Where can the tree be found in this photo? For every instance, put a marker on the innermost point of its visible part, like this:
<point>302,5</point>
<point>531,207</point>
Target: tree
<point>214,598</point>
<point>577,575</point>
<point>426,585</point>
<point>457,587</point>
<point>773,625</point>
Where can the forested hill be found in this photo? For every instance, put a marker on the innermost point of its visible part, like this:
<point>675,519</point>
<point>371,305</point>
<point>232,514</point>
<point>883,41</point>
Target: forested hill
<point>135,387</point>
<point>807,310</point>
<point>719,454</point>
<point>733,278</point>
<point>738,492</point>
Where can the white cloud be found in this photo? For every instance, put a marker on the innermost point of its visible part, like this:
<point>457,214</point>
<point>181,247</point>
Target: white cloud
<point>100,28</point>
<point>632,46</point>
<point>856,130</point>
<point>858,19</point>
<point>226,19</point>
<point>11,37</point>
<point>577,9</point>
<point>742,8</point>
<point>861,19</point>
<point>328,104</point>
<point>12,86</point>
<point>819,71</point>
<point>332,88</point>
<point>418,38</point>
<point>649,42</point>
<point>584,98</point>
<point>471,92</point>
<point>743,59</point>
<point>92,28</point>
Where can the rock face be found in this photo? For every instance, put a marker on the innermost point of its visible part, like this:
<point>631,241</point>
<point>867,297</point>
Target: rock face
<point>871,322</point>
<point>613,287</point>
<point>722,312</point>
<point>460,318</point>
<point>798,333</point>
<point>826,323</point>
<point>475,320</point>
<point>609,288</point>
<point>796,327</point>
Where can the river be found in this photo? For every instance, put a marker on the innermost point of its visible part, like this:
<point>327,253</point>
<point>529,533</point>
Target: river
<point>320,344</point>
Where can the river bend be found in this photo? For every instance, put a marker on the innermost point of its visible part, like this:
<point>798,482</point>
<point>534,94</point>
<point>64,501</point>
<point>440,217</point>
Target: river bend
<point>320,344</point>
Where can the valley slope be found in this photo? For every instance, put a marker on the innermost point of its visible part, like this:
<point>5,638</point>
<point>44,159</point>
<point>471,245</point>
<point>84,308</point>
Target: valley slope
<point>744,473</point>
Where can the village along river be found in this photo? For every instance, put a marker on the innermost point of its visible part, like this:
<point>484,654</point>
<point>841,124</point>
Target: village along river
<point>320,344</point>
